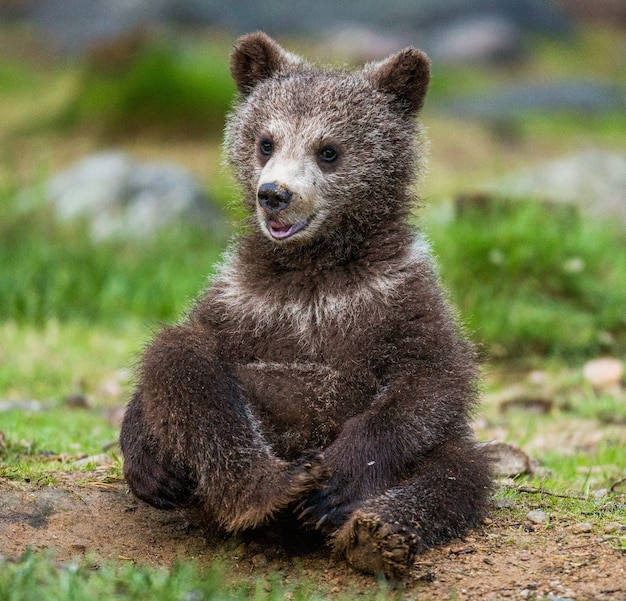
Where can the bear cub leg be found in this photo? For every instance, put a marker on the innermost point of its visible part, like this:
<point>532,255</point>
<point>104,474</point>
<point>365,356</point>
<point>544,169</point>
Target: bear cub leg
<point>190,438</point>
<point>448,496</point>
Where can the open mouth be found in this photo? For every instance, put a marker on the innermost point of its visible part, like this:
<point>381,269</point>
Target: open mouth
<point>281,231</point>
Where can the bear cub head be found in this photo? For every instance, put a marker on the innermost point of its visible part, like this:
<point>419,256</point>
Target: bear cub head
<point>323,152</point>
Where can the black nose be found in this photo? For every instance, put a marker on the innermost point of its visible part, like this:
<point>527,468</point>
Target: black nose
<point>273,198</point>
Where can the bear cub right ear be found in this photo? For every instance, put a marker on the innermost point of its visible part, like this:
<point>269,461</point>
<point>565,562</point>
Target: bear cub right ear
<point>257,57</point>
<point>403,76</point>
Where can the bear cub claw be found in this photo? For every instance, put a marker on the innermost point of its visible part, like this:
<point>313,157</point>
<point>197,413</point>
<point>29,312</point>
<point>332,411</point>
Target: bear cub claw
<point>307,473</point>
<point>378,547</point>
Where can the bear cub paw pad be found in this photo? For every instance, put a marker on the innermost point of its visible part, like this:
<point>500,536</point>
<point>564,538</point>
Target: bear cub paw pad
<point>378,547</point>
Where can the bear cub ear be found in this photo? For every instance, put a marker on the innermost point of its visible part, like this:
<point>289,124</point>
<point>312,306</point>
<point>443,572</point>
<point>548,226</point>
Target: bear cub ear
<point>257,57</point>
<point>404,76</point>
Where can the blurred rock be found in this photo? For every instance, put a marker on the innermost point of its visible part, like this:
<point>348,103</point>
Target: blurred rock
<point>582,528</point>
<point>604,373</point>
<point>474,39</point>
<point>488,37</point>
<point>537,516</point>
<point>77,401</point>
<point>593,180</point>
<point>13,405</point>
<point>95,460</point>
<point>74,26</point>
<point>611,12</point>
<point>447,29</point>
<point>508,460</point>
<point>115,415</point>
<point>510,104</point>
<point>119,196</point>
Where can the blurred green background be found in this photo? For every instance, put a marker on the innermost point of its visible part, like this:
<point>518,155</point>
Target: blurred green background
<point>531,277</point>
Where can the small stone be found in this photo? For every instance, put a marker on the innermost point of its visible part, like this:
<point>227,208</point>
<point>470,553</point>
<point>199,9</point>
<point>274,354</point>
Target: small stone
<point>240,551</point>
<point>537,516</point>
<point>604,372</point>
<point>110,388</point>
<point>508,460</point>
<point>582,528</point>
<point>611,527</point>
<point>504,503</point>
<point>77,401</point>
<point>30,406</point>
<point>537,377</point>
<point>96,460</point>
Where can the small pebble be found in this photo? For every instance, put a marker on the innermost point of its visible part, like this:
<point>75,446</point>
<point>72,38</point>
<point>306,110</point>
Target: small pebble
<point>77,401</point>
<point>503,503</point>
<point>604,372</point>
<point>95,460</point>
<point>611,527</point>
<point>537,516</point>
<point>582,527</point>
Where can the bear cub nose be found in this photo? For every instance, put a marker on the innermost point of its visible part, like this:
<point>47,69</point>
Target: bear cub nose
<point>273,197</point>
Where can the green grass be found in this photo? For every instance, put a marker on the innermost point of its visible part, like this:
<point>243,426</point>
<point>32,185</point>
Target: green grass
<point>54,432</point>
<point>39,577</point>
<point>164,88</point>
<point>52,360</point>
<point>535,280</point>
<point>53,270</point>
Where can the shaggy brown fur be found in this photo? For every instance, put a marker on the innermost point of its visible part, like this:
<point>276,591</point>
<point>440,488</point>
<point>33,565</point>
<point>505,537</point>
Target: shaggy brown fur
<point>322,372</point>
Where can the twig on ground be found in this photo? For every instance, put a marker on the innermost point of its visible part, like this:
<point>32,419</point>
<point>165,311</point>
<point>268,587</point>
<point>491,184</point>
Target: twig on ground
<point>540,491</point>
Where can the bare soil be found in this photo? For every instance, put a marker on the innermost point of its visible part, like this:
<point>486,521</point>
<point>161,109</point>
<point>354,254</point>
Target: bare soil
<point>95,517</point>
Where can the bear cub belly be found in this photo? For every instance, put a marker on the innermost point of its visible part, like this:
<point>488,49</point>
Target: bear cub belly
<point>320,380</point>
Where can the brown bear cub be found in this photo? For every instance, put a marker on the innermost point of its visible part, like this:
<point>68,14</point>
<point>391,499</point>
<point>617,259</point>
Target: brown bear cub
<point>320,380</point>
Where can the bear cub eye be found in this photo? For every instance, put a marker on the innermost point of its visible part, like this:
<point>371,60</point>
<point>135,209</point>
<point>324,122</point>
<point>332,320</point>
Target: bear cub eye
<point>328,154</point>
<point>266,146</point>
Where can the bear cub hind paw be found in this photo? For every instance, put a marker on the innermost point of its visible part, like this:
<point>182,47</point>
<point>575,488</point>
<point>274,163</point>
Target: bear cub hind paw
<point>374,546</point>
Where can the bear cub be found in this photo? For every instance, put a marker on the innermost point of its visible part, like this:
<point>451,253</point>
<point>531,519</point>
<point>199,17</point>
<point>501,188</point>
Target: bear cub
<point>320,380</point>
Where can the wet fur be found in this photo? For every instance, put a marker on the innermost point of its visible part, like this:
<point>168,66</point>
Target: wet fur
<point>324,374</point>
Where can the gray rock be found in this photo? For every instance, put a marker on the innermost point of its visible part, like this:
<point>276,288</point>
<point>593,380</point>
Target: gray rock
<point>506,459</point>
<point>77,24</point>
<point>594,180</point>
<point>487,36</point>
<point>537,516</point>
<point>119,196</point>
<point>512,103</point>
<point>14,405</point>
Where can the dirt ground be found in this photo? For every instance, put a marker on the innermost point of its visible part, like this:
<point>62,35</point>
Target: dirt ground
<point>90,517</point>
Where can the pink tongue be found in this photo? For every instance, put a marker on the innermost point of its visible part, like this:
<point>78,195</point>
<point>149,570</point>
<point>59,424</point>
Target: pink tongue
<point>279,227</point>
<point>280,230</point>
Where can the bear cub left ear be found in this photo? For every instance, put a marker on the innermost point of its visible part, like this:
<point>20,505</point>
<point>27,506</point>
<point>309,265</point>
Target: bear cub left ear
<point>257,57</point>
<point>404,76</point>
